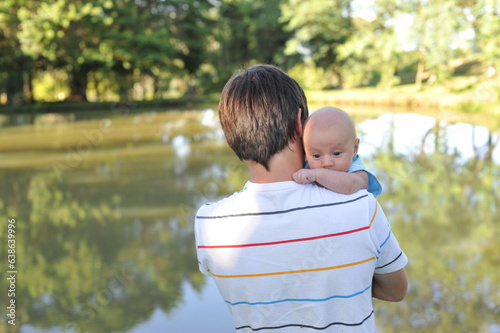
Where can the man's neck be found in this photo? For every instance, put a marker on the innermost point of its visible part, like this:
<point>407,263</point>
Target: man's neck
<point>281,166</point>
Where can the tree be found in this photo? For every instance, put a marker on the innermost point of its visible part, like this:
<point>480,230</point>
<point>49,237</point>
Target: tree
<point>67,34</point>
<point>319,30</point>
<point>436,25</point>
<point>15,66</point>
<point>247,32</point>
<point>483,17</point>
<point>372,52</point>
<point>191,28</point>
<point>140,38</point>
<point>82,37</point>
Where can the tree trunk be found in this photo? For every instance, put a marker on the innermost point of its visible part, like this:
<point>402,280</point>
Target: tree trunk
<point>420,72</point>
<point>78,85</point>
<point>28,87</point>
<point>156,82</point>
<point>340,78</point>
<point>15,85</point>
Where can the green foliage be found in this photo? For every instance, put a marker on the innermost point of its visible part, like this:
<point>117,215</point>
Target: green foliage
<point>14,64</point>
<point>484,19</point>
<point>372,53</point>
<point>248,32</point>
<point>468,107</point>
<point>319,30</point>
<point>155,48</point>
<point>310,77</point>
<point>436,26</point>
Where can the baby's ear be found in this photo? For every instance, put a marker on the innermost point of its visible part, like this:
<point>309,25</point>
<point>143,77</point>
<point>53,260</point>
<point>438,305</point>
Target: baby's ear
<point>356,146</point>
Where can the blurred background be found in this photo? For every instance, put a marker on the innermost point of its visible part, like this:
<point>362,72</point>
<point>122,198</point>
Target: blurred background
<point>110,141</point>
<point>152,49</point>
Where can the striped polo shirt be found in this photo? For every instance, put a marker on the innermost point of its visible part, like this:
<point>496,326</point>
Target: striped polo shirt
<point>296,258</point>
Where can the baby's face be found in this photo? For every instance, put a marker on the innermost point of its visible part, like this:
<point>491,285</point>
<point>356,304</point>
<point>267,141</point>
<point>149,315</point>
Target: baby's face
<point>330,148</point>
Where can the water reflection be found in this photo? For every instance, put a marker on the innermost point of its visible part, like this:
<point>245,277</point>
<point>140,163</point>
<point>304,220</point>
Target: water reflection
<point>106,244</point>
<point>444,206</point>
<point>413,133</point>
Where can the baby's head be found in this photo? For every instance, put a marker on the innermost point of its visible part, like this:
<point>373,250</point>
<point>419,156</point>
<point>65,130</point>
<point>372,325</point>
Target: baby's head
<point>330,139</point>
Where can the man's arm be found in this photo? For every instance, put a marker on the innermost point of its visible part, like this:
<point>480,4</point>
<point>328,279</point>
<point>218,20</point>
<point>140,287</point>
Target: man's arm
<point>390,287</point>
<point>337,181</point>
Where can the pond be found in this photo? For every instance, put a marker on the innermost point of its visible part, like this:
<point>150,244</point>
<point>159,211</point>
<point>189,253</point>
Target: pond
<point>103,207</point>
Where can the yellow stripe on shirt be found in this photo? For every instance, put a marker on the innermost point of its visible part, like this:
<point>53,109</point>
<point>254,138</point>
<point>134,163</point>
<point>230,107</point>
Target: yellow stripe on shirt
<point>373,217</point>
<point>293,272</point>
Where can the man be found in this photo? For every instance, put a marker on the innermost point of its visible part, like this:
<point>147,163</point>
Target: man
<point>288,257</point>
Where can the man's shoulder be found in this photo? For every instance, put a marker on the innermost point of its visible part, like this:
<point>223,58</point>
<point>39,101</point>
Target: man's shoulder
<point>211,208</point>
<point>317,195</point>
<point>301,196</point>
<point>329,194</point>
<point>220,206</point>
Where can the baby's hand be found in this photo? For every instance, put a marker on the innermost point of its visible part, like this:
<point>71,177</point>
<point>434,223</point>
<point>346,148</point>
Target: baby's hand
<point>304,176</point>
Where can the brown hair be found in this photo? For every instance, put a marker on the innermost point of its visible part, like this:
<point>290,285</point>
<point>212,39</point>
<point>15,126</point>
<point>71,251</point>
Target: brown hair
<point>258,111</point>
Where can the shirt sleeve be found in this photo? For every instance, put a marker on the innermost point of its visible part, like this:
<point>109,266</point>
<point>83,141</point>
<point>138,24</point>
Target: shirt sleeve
<point>374,186</point>
<point>390,256</point>
<point>200,252</point>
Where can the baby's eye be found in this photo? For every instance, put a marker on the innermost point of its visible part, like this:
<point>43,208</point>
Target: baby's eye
<point>337,153</point>
<point>316,155</point>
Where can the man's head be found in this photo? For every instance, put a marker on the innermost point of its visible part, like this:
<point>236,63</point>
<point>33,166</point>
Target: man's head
<point>330,139</point>
<point>258,109</point>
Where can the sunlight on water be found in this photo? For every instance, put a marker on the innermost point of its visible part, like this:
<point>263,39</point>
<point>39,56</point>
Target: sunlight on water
<point>105,203</point>
<point>412,134</point>
<point>181,146</point>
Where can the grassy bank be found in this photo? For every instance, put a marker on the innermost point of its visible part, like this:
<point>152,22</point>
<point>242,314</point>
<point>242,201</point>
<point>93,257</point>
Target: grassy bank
<point>68,107</point>
<point>467,99</point>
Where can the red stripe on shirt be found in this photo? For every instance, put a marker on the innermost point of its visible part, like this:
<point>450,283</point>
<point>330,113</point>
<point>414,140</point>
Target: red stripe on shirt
<point>283,241</point>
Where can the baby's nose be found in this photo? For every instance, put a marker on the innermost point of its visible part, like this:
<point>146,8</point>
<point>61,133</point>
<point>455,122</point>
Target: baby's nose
<point>327,162</point>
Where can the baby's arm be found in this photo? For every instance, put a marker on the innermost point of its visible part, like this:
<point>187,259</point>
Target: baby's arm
<point>337,181</point>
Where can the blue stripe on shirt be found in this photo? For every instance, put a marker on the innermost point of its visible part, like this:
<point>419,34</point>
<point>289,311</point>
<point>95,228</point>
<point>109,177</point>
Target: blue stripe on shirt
<point>388,236</point>
<point>301,299</point>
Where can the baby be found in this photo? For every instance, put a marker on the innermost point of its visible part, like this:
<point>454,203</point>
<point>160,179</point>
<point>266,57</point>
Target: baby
<point>331,148</point>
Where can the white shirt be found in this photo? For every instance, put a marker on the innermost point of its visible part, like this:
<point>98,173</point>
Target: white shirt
<point>288,257</point>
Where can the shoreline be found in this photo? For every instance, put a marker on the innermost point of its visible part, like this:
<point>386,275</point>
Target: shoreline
<point>474,106</point>
<point>480,108</point>
<point>71,106</point>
